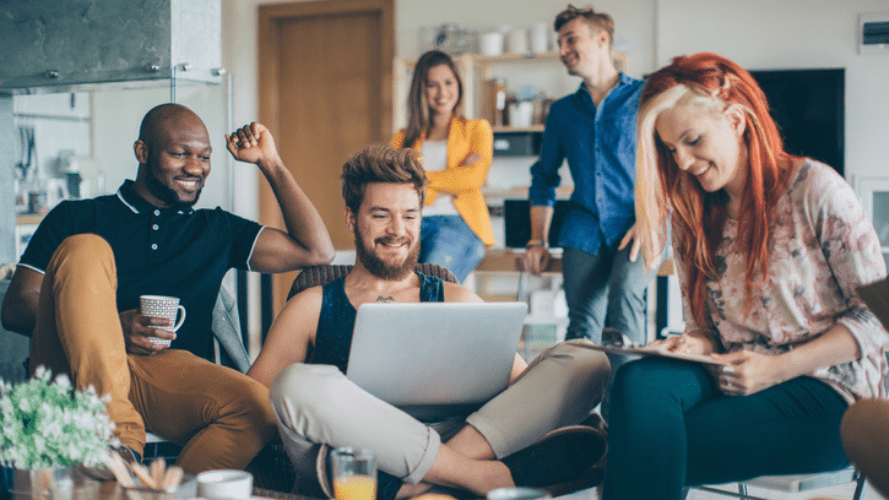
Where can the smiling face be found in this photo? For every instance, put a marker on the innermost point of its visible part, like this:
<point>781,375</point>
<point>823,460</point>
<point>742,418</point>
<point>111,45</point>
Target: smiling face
<point>581,46</point>
<point>174,161</point>
<point>387,229</point>
<point>707,145</point>
<point>442,90</point>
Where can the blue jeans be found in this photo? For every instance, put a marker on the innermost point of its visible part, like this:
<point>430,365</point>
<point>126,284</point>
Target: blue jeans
<point>446,240</point>
<point>671,427</point>
<point>604,290</point>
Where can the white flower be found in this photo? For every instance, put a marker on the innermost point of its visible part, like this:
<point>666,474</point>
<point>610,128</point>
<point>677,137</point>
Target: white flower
<point>47,424</point>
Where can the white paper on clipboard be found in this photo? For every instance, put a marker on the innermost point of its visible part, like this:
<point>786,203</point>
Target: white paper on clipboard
<point>652,351</point>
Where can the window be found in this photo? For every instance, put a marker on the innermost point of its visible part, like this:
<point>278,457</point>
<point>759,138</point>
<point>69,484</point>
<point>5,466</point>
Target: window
<point>874,193</point>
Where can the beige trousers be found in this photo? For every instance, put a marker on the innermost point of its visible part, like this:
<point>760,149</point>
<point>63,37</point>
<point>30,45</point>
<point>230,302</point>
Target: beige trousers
<point>317,404</point>
<point>865,433</point>
<point>220,416</point>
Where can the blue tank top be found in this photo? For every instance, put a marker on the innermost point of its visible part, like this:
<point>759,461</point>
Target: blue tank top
<point>333,339</point>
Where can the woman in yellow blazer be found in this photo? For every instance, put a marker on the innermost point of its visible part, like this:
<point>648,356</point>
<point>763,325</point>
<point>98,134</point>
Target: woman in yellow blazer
<point>456,155</point>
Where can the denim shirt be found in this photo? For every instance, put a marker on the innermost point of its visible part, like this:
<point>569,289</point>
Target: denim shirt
<point>600,145</point>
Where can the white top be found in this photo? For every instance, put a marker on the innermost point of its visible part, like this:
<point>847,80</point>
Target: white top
<point>435,159</point>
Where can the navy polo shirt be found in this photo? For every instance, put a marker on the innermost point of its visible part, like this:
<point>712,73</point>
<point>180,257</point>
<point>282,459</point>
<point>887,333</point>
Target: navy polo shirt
<point>183,253</point>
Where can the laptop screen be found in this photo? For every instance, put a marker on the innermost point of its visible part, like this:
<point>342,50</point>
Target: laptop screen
<point>517,219</point>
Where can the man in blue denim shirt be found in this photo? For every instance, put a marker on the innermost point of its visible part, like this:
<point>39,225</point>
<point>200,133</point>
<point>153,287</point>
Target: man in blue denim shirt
<point>595,130</point>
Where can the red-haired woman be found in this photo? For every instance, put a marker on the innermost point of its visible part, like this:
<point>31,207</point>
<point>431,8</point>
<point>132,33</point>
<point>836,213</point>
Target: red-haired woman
<point>770,249</point>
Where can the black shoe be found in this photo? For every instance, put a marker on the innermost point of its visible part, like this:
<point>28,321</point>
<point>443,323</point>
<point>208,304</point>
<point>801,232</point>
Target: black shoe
<point>562,455</point>
<point>596,421</point>
<point>387,486</point>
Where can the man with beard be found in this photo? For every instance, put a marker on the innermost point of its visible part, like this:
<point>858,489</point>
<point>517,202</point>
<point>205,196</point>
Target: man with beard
<point>518,438</point>
<point>77,287</point>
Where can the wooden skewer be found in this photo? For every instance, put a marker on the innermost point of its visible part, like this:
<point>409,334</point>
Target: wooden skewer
<point>144,475</point>
<point>173,477</point>
<point>118,467</point>
<point>158,467</point>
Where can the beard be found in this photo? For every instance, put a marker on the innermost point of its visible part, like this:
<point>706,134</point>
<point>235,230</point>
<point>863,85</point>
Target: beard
<point>377,266</point>
<point>167,194</point>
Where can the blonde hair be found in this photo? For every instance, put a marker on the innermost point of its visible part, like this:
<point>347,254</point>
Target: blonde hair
<point>652,208</point>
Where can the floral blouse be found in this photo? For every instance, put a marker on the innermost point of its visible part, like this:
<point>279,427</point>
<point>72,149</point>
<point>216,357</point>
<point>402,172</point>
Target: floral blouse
<point>822,247</point>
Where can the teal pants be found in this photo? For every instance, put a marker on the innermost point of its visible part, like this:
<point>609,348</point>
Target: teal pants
<point>670,427</point>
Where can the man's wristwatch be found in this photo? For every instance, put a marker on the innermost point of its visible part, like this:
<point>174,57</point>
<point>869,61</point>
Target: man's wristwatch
<point>537,243</point>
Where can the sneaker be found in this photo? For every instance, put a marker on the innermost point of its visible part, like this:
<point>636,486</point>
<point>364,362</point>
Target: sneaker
<point>387,486</point>
<point>562,455</point>
<point>324,470</point>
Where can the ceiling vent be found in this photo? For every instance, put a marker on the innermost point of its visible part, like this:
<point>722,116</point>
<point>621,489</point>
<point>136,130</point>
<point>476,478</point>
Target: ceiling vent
<point>873,33</point>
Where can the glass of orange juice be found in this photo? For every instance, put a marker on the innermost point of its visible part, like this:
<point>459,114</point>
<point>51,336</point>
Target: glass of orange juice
<point>354,474</point>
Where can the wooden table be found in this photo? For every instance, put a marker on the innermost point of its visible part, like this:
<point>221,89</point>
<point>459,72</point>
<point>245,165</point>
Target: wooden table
<point>510,260</point>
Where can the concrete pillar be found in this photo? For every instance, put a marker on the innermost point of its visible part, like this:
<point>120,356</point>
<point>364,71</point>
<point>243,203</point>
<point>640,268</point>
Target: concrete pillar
<point>7,174</point>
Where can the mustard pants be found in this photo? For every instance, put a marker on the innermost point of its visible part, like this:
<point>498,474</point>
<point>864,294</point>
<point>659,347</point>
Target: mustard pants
<point>221,417</point>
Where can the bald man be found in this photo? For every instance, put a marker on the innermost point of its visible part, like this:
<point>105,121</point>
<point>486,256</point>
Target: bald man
<point>77,287</point>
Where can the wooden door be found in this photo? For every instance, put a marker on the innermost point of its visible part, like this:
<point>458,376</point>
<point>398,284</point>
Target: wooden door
<point>325,92</point>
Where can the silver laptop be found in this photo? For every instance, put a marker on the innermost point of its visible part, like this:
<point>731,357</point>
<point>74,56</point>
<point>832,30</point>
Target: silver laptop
<point>435,360</point>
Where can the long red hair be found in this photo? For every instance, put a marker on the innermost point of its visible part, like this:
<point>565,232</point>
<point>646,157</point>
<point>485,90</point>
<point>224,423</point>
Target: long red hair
<point>713,81</point>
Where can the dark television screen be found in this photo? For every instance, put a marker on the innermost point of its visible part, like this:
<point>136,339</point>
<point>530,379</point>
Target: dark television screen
<point>808,105</point>
<point>517,216</point>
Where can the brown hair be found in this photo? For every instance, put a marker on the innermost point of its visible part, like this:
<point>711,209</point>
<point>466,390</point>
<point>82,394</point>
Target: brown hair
<point>417,107</point>
<point>711,82</point>
<point>381,163</point>
<point>596,20</point>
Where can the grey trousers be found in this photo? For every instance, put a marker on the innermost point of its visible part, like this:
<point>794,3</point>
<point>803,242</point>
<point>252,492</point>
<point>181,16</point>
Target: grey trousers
<point>317,405</point>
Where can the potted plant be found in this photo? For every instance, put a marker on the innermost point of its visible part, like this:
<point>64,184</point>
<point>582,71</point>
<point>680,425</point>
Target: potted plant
<point>47,428</point>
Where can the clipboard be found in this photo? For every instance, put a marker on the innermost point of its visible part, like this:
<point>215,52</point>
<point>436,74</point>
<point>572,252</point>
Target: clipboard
<point>656,351</point>
<point>876,297</point>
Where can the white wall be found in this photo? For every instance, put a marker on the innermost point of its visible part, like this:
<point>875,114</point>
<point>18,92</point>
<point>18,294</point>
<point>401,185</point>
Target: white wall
<point>763,34</point>
<point>117,115</point>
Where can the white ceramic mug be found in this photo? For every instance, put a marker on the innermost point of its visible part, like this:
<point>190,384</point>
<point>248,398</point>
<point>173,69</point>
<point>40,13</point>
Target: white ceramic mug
<point>225,483</point>
<point>491,44</point>
<point>160,306</point>
<point>521,114</point>
<point>539,38</point>
<point>517,41</point>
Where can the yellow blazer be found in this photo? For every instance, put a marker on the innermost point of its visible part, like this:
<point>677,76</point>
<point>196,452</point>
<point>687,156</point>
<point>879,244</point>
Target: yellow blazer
<point>465,183</point>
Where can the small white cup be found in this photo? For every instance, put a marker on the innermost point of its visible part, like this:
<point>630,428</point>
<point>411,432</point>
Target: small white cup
<point>160,306</point>
<point>539,38</point>
<point>225,484</point>
<point>517,41</point>
<point>491,44</point>
<point>521,114</point>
